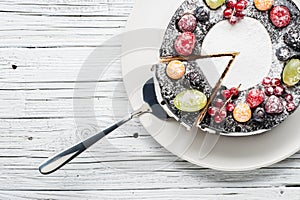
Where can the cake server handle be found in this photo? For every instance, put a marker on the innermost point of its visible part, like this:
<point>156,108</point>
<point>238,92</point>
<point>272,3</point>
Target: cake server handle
<point>57,161</point>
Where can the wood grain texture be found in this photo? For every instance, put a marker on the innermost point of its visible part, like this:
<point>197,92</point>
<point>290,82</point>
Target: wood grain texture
<point>48,41</point>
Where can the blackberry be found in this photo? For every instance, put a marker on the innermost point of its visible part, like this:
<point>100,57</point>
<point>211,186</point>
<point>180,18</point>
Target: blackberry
<point>292,38</point>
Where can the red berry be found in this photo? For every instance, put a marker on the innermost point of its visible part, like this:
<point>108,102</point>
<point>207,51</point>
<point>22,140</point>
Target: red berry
<point>240,15</point>
<point>279,90</point>
<point>185,43</point>
<point>212,111</point>
<point>267,81</point>
<point>218,119</point>
<point>290,106</point>
<point>223,114</point>
<point>245,2</point>
<point>269,91</point>
<point>219,103</point>
<point>227,13</point>
<point>234,91</point>
<point>231,3</point>
<point>187,23</point>
<point>226,94</point>
<point>230,107</point>
<point>280,16</point>
<point>289,98</point>
<point>233,20</point>
<point>255,97</point>
<point>239,7</point>
<point>275,81</point>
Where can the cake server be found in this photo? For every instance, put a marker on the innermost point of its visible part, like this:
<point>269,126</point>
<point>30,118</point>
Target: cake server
<point>150,106</point>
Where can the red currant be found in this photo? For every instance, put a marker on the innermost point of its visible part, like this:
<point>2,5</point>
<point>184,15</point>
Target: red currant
<point>269,91</point>
<point>267,81</point>
<point>239,7</point>
<point>275,81</point>
<point>290,106</point>
<point>233,20</point>
<point>219,103</point>
<point>230,107</point>
<point>289,98</point>
<point>234,91</point>
<point>223,114</point>
<point>212,111</point>
<point>230,3</point>
<point>245,2</point>
<point>218,119</point>
<point>226,94</point>
<point>240,15</point>
<point>279,90</point>
<point>227,13</point>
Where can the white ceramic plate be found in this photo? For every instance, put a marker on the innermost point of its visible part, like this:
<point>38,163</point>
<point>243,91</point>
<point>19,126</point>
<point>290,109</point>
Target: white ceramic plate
<point>230,153</point>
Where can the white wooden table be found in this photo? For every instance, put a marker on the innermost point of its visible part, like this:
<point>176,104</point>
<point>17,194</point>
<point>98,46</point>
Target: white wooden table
<point>48,41</point>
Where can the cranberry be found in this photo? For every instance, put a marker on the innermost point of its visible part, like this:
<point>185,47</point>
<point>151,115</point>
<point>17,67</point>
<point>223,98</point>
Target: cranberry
<point>234,91</point>
<point>289,98</point>
<point>290,106</point>
<point>267,81</point>
<point>218,119</point>
<point>269,91</point>
<point>219,103</point>
<point>212,111</point>
<point>230,107</point>
<point>279,90</point>
<point>230,3</point>
<point>227,13</point>
<point>239,7</point>
<point>226,94</point>
<point>275,81</point>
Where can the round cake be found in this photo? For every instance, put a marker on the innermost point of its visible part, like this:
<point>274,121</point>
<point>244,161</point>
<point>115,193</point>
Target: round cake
<point>233,66</point>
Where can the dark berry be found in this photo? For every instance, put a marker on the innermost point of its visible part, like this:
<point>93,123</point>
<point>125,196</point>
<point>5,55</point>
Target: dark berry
<point>202,14</point>
<point>283,53</point>
<point>292,37</point>
<point>259,114</point>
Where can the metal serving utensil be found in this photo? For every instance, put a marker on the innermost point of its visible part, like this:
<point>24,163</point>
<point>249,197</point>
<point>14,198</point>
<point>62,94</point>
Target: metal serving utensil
<point>150,106</point>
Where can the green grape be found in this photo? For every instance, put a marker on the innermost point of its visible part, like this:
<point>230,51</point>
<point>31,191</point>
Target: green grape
<point>190,101</point>
<point>214,4</point>
<point>291,73</point>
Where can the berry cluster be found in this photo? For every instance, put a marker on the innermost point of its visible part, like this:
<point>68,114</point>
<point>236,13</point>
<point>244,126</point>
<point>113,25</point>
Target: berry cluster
<point>273,87</point>
<point>222,104</point>
<point>235,10</point>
